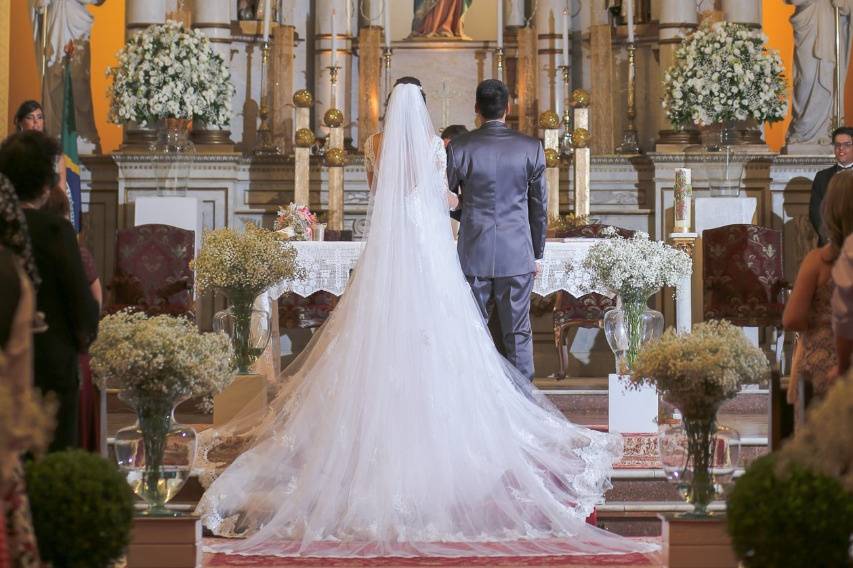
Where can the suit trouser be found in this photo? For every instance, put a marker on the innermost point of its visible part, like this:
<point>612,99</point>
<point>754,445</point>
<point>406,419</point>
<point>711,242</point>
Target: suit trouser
<point>512,302</point>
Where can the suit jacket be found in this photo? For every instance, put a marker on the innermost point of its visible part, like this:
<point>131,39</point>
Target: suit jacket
<point>70,310</point>
<point>819,185</point>
<point>504,200</point>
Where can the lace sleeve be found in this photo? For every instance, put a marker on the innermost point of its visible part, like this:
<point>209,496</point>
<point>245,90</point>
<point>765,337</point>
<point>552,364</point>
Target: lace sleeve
<point>369,153</point>
<point>440,154</point>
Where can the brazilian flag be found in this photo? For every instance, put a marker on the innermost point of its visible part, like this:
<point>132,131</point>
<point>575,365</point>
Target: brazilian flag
<point>68,138</point>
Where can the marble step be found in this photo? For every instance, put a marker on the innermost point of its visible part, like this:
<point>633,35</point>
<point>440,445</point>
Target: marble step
<point>633,519</point>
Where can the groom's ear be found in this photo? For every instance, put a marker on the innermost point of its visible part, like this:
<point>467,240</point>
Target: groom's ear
<point>477,109</point>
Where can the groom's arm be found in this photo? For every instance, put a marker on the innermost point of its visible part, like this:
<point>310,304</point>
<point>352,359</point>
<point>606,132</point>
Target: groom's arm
<point>453,182</point>
<point>537,203</point>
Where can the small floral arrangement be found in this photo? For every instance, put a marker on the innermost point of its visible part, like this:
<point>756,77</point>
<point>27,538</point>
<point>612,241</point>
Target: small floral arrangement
<point>635,267</point>
<point>724,72</point>
<point>250,261</point>
<point>160,357</point>
<point>697,371</point>
<point>568,221</point>
<point>167,71</point>
<point>294,222</point>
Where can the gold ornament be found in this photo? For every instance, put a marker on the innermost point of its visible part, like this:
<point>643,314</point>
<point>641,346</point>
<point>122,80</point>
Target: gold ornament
<point>552,158</point>
<point>336,158</point>
<point>549,120</point>
<point>304,138</point>
<point>580,98</point>
<point>333,118</point>
<point>581,137</point>
<point>303,98</point>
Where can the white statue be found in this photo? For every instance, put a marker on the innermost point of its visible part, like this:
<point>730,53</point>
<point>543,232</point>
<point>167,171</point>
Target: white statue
<point>814,68</point>
<point>66,21</point>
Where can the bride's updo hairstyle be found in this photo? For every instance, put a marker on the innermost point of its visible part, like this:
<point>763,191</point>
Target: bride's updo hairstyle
<point>407,81</point>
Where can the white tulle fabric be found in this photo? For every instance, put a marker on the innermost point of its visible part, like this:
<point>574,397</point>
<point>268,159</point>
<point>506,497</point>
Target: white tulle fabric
<point>400,430</point>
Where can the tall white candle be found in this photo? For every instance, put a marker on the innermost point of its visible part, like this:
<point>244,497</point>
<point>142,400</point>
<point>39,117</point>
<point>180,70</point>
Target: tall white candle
<point>500,4</point>
<point>267,16</point>
<point>567,26</point>
<point>386,11</point>
<point>334,41</point>
<point>630,13</point>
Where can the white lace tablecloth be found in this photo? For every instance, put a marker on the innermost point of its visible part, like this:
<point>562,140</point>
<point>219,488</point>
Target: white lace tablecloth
<point>328,265</point>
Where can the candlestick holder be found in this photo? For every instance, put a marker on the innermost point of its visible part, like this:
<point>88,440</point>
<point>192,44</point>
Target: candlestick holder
<point>264,145</point>
<point>386,57</point>
<point>567,145</point>
<point>499,57</point>
<point>630,139</point>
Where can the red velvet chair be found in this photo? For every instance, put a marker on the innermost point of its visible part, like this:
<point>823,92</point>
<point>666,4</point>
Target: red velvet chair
<point>152,271</point>
<point>744,283</point>
<point>586,311</point>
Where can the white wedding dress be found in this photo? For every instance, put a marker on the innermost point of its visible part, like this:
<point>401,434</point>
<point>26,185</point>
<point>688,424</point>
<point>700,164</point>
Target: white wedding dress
<point>400,430</point>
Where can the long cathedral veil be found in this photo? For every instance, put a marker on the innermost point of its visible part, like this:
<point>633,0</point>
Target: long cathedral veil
<point>400,430</point>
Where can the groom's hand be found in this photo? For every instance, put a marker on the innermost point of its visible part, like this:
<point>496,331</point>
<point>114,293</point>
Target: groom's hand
<point>452,201</point>
<point>538,269</point>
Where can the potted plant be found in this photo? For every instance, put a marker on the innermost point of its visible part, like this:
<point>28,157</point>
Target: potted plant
<point>158,362</point>
<point>634,268</point>
<point>696,372</point>
<point>241,266</point>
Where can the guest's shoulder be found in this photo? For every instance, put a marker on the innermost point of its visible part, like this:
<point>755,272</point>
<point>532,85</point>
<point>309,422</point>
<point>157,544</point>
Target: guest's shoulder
<point>41,222</point>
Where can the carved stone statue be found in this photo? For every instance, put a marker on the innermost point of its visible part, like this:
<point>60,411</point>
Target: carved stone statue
<point>440,18</point>
<point>814,68</point>
<point>67,21</point>
<point>254,10</point>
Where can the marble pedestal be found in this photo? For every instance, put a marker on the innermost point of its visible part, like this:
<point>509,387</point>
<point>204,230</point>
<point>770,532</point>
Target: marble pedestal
<point>630,410</point>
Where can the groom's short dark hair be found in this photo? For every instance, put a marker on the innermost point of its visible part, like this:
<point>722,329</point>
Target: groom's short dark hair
<point>492,98</point>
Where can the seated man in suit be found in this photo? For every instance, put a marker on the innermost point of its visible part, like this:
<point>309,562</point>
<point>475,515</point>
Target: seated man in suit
<point>842,142</point>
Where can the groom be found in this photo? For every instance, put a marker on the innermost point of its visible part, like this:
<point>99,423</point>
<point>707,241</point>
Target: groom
<point>503,217</point>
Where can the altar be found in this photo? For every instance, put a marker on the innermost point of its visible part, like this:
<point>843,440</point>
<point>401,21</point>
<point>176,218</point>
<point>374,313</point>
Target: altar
<point>329,264</point>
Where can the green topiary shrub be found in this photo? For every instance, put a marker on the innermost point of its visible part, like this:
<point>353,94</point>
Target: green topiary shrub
<point>789,517</point>
<point>82,509</point>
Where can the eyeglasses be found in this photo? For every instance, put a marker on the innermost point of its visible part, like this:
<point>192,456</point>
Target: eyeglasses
<point>843,145</point>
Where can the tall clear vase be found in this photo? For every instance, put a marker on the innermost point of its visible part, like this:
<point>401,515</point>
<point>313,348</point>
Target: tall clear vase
<point>173,155</point>
<point>157,453</point>
<point>723,168</point>
<point>248,328</point>
<point>628,326</point>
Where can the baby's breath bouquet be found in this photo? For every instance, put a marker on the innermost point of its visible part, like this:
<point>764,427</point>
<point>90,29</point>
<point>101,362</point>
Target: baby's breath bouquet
<point>168,71</point>
<point>241,266</point>
<point>697,372</point>
<point>633,268</point>
<point>724,72</point>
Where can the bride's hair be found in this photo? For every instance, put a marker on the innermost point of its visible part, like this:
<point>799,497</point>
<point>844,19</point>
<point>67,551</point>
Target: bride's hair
<point>407,81</point>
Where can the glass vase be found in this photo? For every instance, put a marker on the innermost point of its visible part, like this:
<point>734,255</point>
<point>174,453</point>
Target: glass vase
<point>700,458</point>
<point>156,454</point>
<point>628,326</point>
<point>723,168</point>
<point>248,328</point>
<point>173,155</point>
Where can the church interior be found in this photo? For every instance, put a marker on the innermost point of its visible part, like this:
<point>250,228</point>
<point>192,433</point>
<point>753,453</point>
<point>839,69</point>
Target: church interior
<point>281,148</point>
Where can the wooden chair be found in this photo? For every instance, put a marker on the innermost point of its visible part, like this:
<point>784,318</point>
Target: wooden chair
<point>152,271</point>
<point>744,283</point>
<point>586,311</point>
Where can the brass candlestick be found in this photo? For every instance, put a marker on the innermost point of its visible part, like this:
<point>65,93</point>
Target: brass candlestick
<point>630,139</point>
<point>499,57</point>
<point>264,144</point>
<point>566,141</point>
<point>386,57</point>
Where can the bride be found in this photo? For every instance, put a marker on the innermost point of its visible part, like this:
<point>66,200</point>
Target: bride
<point>400,430</point>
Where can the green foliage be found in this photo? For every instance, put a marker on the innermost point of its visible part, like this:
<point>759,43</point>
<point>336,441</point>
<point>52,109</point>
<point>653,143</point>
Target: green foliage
<point>789,516</point>
<point>82,509</point>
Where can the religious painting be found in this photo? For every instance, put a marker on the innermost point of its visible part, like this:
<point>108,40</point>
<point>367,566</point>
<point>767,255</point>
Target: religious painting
<point>440,19</point>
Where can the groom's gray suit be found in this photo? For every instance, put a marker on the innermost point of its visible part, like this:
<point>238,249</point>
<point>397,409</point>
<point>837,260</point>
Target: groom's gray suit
<point>503,222</point>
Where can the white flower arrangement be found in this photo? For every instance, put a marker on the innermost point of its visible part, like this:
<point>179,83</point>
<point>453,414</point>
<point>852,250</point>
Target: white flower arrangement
<point>160,357</point>
<point>636,267</point>
<point>697,371</point>
<point>724,72</point>
<point>250,261</point>
<point>294,222</point>
<point>167,71</point>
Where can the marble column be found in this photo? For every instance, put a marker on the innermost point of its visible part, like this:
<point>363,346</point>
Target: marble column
<point>371,12</point>
<point>549,26</point>
<point>514,13</point>
<point>138,15</point>
<point>213,19</point>
<point>341,98</point>
<point>747,12</point>
<point>677,19</point>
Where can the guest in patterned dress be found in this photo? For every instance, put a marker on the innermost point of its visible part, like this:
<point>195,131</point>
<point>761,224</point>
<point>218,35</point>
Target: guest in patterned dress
<point>808,310</point>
